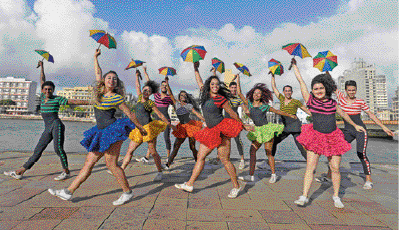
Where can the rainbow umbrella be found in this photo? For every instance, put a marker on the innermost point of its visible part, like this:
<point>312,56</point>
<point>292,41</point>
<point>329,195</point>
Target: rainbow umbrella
<point>325,61</point>
<point>242,68</point>
<point>276,67</point>
<point>296,49</point>
<point>103,38</point>
<point>46,55</point>
<point>193,53</point>
<point>134,64</point>
<point>167,71</point>
<point>218,64</point>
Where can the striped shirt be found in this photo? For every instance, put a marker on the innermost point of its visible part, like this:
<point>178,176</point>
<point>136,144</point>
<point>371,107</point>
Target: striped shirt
<point>235,102</point>
<point>162,102</point>
<point>326,107</point>
<point>110,102</point>
<point>53,103</point>
<point>291,107</point>
<point>353,108</point>
<point>148,105</point>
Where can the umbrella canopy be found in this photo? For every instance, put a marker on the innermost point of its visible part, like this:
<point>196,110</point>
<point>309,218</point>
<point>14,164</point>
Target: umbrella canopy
<point>167,71</point>
<point>242,68</point>
<point>103,38</point>
<point>297,49</point>
<point>218,64</point>
<point>46,55</point>
<point>134,64</point>
<point>325,61</point>
<point>193,53</point>
<point>276,67</point>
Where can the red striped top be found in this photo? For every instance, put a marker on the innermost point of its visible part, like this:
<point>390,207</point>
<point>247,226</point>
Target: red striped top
<point>325,107</point>
<point>353,108</point>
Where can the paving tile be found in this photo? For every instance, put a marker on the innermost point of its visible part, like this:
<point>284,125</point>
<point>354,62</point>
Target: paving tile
<point>358,219</point>
<point>122,214</point>
<point>250,225</point>
<point>171,213</point>
<point>170,202</point>
<point>157,224</point>
<point>279,216</point>
<point>41,224</point>
<point>345,227</point>
<point>203,203</point>
<point>210,215</point>
<point>54,213</point>
<point>242,216</point>
<point>17,213</point>
<point>78,224</point>
<point>131,224</point>
<point>173,192</point>
<point>140,201</point>
<point>92,213</point>
<point>296,226</point>
<point>196,225</point>
<point>371,208</point>
<point>8,225</point>
<point>389,219</point>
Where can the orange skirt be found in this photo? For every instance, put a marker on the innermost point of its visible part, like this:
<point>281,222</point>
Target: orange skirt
<point>188,129</point>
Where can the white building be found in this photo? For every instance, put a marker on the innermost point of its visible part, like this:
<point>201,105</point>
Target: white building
<point>20,90</point>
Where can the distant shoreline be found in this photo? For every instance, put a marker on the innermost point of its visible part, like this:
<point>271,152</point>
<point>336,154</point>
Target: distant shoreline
<point>38,117</point>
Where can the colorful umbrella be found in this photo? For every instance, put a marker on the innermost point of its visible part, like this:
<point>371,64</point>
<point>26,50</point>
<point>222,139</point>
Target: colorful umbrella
<point>218,64</point>
<point>325,61</point>
<point>103,38</point>
<point>242,68</point>
<point>134,64</point>
<point>46,55</point>
<point>167,71</point>
<point>276,67</point>
<point>296,49</point>
<point>193,53</point>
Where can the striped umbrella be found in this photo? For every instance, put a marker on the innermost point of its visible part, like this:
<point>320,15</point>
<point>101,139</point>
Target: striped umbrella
<point>242,68</point>
<point>46,55</point>
<point>218,64</point>
<point>134,64</point>
<point>325,61</point>
<point>276,67</point>
<point>193,53</point>
<point>167,71</point>
<point>103,38</point>
<point>296,49</point>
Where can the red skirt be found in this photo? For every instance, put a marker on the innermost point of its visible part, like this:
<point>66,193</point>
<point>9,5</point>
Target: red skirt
<point>211,137</point>
<point>188,129</point>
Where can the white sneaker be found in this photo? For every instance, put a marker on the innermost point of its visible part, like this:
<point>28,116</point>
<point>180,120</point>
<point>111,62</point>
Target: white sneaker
<point>247,178</point>
<point>302,201</point>
<point>337,202</point>
<point>241,165</point>
<point>13,174</point>
<point>184,187</point>
<point>264,165</point>
<point>123,198</point>
<point>273,179</point>
<point>368,185</point>
<point>109,172</point>
<point>165,167</point>
<point>60,193</point>
<point>143,159</point>
<point>234,192</point>
<point>62,176</point>
<point>323,179</point>
<point>158,177</point>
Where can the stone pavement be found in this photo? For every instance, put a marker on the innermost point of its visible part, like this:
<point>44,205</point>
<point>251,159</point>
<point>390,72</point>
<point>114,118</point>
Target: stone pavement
<point>25,204</point>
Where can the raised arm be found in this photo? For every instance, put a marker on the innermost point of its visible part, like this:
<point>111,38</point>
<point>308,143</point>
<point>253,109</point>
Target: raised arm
<point>132,117</point>
<point>275,90</point>
<point>198,76</point>
<point>147,78</point>
<point>306,110</point>
<point>170,91</point>
<point>349,120</point>
<point>137,85</point>
<point>378,122</point>
<point>78,102</point>
<point>279,112</point>
<point>97,67</point>
<point>304,89</point>
<point>162,117</point>
<point>199,115</point>
<point>42,76</point>
<point>239,91</point>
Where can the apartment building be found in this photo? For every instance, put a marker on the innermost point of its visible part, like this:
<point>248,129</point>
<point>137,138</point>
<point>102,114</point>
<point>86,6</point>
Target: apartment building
<point>21,91</point>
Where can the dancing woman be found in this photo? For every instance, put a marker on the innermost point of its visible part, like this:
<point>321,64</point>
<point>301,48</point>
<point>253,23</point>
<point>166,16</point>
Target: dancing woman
<point>54,129</point>
<point>219,130</point>
<point>144,107</point>
<point>187,126</point>
<point>106,138</point>
<point>257,102</point>
<point>322,137</point>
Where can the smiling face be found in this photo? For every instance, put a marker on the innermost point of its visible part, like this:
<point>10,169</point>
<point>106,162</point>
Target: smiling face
<point>215,85</point>
<point>163,87</point>
<point>351,91</point>
<point>48,91</point>
<point>287,92</point>
<point>183,97</point>
<point>111,81</point>
<point>319,91</point>
<point>233,89</point>
<point>147,92</point>
<point>257,95</point>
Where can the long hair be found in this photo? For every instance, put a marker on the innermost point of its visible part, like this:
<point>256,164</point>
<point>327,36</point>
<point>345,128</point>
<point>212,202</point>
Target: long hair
<point>100,87</point>
<point>206,89</point>
<point>190,99</point>
<point>266,94</point>
<point>153,86</point>
<point>327,81</point>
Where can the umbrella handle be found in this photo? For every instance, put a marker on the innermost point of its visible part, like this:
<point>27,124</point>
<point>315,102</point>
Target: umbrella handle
<point>289,68</point>
<point>99,46</point>
<point>38,64</point>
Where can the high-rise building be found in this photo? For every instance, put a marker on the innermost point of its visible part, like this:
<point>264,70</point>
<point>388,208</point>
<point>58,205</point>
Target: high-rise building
<point>395,105</point>
<point>21,91</point>
<point>370,86</point>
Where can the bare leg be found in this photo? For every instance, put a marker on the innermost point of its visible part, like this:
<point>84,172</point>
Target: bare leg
<point>152,148</point>
<point>268,149</point>
<point>128,157</point>
<point>252,157</point>
<point>192,147</point>
<point>311,164</point>
<point>224,156</point>
<point>91,160</point>
<point>176,147</point>
<point>199,165</point>
<point>111,160</point>
<point>335,162</point>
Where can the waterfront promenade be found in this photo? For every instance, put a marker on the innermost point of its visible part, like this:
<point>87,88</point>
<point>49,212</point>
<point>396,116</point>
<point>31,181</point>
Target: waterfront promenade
<point>25,204</point>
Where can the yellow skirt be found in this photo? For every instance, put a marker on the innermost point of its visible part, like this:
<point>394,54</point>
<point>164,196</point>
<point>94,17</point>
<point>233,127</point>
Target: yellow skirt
<point>154,128</point>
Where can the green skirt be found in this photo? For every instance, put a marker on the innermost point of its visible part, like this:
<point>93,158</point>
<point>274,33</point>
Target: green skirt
<point>265,133</point>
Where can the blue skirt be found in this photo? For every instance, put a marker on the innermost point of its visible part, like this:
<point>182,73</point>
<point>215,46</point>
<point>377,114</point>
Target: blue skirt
<point>99,140</point>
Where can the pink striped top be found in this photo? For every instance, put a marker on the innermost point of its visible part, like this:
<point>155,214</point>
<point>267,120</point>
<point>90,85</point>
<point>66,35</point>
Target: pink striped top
<point>164,102</point>
<point>326,107</point>
<point>353,108</point>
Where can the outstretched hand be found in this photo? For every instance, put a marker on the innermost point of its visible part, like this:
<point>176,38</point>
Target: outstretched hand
<point>97,53</point>
<point>196,65</point>
<point>293,61</point>
<point>388,131</point>
<point>40,63</point>
<point>360,128</point>
<point>270,72</point>
<point>249,128</point>
<point>142,131</point>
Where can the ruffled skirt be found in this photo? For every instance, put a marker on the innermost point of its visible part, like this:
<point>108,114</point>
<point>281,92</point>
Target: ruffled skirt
<point>211,137</point>
<point>265,133</point>
<point>327,144</point>
<point>154,128</point>
<point>188,129</point>
<point>100,140</point>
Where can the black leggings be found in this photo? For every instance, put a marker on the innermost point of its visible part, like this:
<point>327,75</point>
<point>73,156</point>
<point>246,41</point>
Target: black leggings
<point>54,131</point>
<point>238,141</point>
<point>284,135</point>
<point>166,136</point>
<point>361,145</point>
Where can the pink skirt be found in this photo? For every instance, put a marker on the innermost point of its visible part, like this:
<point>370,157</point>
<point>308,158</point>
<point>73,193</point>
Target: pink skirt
<point>326,144</point>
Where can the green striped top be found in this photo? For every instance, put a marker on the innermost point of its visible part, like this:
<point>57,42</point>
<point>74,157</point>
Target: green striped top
<point>291,107</point>
<point>53,103</point>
